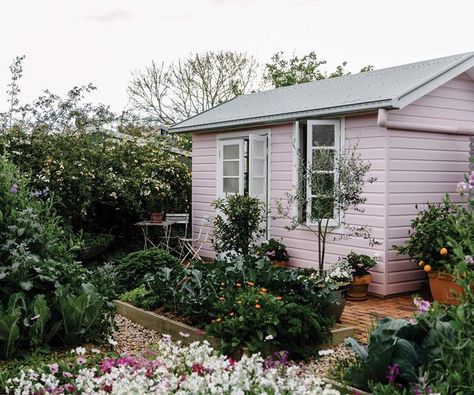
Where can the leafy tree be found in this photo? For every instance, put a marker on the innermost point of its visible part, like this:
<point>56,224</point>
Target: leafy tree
<point>282,71</point>
<point>333,196</point>
<point>190,86</point>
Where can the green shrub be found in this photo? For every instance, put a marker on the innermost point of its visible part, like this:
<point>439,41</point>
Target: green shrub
<point>238,224</point>
<point>36,262</point>
<point>133,268</point>
<point>141,297</point>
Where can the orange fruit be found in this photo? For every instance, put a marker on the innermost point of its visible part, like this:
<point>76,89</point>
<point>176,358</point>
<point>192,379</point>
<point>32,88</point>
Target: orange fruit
<point>427,268</point>
<point>421,263</point>
<point>443,251</point>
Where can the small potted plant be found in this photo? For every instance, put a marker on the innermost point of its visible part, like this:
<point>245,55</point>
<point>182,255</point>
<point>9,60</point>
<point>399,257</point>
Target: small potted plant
<point>275,252</point>
<point>360,265</point>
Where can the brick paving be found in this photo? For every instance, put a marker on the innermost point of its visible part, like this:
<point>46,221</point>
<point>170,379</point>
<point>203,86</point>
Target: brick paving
<point>363,314</point>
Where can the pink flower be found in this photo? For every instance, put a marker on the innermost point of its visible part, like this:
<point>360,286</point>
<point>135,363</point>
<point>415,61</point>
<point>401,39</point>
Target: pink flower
<point>200,332</point>
<point>198,368</point>
<point>54,368</point>
<point>107,365</point>
<point>81,360</point>
<point>68,374</point>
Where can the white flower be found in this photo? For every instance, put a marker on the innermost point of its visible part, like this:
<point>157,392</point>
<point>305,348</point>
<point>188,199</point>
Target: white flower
<point>95,350</point>
<point>80,350</point>
<point>325,352</point>
<point>112,341</point>
<point>268,337</point>
<point>183,334</point>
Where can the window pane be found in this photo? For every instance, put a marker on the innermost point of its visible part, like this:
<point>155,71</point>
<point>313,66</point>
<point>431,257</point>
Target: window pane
<point>231,185</point>
<point>258,168</point>
<point>323,135</point>
<point>231,151</point>
<point>323,159</point>
<point>322,208</point>
<point>322,184</point>
<point>258,186</point>
<point>231,169</point>
<point>258,149</point>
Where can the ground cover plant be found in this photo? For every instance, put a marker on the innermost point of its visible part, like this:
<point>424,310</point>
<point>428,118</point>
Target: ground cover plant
<point>243,300</point>
<point>45,296</point>
<point>169,369</point>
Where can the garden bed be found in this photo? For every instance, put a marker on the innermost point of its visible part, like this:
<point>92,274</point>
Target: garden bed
<point>176,329</point>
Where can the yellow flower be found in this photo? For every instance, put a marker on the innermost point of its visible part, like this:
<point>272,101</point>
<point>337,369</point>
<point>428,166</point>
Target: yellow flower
<point>239,302</point>
<point>257,306</point>
<point>251,283</point>
<point>218,319</point>
<point>221,299</point>
<point>263,290</point>
<point>238,285</point>
<point>279,298</point>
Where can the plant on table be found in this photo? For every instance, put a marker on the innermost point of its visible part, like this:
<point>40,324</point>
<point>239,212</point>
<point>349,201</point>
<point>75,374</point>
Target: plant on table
<point>238,224</point>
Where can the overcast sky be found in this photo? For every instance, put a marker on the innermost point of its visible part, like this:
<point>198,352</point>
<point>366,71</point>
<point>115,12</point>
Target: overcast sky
<point>69,43</point>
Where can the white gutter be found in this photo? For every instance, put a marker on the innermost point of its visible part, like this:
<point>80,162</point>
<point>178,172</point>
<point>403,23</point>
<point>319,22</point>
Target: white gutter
<point>383,121</point>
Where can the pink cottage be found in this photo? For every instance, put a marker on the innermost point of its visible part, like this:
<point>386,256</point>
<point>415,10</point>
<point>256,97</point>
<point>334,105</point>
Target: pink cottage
<point>412,122</point>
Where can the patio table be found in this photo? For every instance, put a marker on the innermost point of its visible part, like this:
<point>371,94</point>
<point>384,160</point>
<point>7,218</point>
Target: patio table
<point>164,241</point>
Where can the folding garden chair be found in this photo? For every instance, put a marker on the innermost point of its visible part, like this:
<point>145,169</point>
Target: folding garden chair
<point>190,247</point>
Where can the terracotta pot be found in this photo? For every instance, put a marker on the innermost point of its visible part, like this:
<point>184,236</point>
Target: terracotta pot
<point>335,309</point>
<point>280,263</point>
<point>443,288</point>
<point>359,286</point>
<point>156,217</point>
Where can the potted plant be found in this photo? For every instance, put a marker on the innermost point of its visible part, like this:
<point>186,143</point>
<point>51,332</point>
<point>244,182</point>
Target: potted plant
<point>359,265</point>
<point>434,230</point>
<point>275,251</point>
<point>339,277</point>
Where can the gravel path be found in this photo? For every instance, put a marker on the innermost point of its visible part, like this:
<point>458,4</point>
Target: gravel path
<point>133,339</point>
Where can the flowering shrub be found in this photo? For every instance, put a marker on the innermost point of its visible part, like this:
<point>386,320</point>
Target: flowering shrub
<point>171,369</point>
<point>102,183</point>
<point>273,250</point>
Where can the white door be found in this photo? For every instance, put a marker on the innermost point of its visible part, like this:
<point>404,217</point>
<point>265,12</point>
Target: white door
<point>258,167</point>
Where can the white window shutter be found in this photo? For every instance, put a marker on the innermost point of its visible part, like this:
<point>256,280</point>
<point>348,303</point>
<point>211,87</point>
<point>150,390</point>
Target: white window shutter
<point>258,167</point>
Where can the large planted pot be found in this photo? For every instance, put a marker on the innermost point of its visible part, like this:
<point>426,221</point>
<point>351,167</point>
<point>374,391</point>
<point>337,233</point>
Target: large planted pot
<point>443,288</point>
<point>359,286</point>
<point>280,263</point>
<point>335,309</point>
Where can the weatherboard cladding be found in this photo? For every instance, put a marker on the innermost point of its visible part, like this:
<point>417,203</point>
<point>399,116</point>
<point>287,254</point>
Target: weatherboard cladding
<point>346,94</point>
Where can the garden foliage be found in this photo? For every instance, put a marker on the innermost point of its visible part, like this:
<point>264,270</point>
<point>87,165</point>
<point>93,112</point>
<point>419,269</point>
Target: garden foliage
<point>44,295</point>
<point>238,223</point>
<point>245,301</point>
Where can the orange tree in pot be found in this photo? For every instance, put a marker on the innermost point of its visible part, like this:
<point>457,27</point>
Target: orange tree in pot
<point>435,231</point>
<point>359,265</point>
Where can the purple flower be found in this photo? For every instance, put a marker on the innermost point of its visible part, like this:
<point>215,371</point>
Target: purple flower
<point>471,179</point>
<point>392,372</point>
<point>14,188</point>
<point>54,368</point>
<point>422,305</point>
<point>469,260</point>
<point>37,194</point>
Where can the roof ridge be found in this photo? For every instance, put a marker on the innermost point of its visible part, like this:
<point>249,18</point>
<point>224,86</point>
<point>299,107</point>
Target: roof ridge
<point>360,74</point>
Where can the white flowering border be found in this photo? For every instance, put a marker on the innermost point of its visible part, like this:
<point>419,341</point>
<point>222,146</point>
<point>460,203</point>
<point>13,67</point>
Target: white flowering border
<point>173,369</point>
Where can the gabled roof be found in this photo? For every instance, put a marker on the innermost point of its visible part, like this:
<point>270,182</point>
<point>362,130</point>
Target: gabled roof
<point>390,88</point>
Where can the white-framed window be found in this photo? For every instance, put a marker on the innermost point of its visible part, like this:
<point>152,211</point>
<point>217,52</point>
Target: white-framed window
<point>319,144</point>
<point>231,167</point>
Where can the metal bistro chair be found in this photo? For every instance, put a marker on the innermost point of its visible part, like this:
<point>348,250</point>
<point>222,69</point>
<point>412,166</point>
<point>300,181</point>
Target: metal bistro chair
<point>190,247</point>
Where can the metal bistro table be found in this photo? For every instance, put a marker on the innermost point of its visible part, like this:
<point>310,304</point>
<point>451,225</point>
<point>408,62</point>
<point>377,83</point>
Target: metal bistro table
<point>163,241</point>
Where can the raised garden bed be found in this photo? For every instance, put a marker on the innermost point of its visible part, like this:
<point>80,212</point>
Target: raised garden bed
<point>175,329</point>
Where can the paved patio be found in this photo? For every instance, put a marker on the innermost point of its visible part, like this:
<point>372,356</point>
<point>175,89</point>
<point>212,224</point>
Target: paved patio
<point>362,315</point>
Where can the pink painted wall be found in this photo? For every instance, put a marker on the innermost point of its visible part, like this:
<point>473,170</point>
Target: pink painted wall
<point>423,167</point>
<point>411,168</point>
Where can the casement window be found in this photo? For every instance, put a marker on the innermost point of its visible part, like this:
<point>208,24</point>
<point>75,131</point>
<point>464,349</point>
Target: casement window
<point>243,165</point>
<point>319,145</point>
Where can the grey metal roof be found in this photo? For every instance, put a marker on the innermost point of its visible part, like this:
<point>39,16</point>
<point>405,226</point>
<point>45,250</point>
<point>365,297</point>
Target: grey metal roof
<point>384,88</point>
